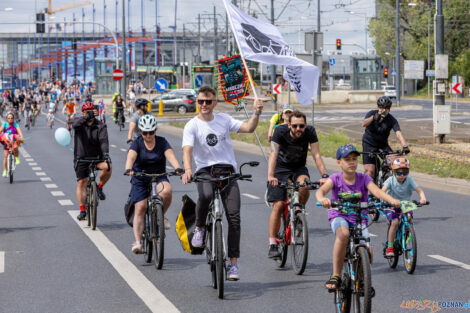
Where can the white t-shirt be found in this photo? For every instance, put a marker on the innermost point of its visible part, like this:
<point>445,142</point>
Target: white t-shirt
<point>211,140</point>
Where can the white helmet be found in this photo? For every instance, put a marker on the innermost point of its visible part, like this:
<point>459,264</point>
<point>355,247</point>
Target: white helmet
<point>147,123</point>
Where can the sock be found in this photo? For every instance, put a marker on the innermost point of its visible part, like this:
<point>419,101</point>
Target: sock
<point>100,186</point>
<point>390,244</point>
<point>82,208</point>
<point>272,241</point>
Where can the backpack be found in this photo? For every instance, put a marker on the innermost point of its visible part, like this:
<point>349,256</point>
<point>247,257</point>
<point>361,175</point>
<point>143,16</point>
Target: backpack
<point>129,210</point>
<point>185,225</point>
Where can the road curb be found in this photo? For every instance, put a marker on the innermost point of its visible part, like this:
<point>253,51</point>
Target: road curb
<point>454,185</point>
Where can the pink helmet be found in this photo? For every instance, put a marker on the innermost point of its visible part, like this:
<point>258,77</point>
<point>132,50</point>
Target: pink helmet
<point>400,162</point>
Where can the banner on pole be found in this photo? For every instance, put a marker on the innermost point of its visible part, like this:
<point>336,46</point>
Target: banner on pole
<point>233,78</point>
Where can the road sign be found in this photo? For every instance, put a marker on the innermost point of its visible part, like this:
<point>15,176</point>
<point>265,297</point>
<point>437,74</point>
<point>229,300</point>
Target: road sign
<point>393,73</point>
<point>277,89</point>
<point>332,62</point>
<point>161,85</point>
<point>457,88</point>
<point>198,81</point>
<point>430,73</point>
<point>118,74</point>
<point>414,69</point>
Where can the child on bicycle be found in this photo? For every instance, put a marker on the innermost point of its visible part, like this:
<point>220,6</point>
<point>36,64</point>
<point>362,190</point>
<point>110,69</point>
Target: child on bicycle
<point>400,186</point>
<point>10,134</point>
<point>348,180</point>
<point>50,117</point>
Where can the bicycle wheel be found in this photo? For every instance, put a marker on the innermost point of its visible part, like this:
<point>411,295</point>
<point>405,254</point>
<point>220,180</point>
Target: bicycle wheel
<point>208,250</point>
<point>159,235</point>
<point>410,255</point>
<point>282,247</point>
<point>11,159</point>
<point>88,205</point>
<point>300,248</point>
<point>219,259</point>
<point>342,297</point>
<point>93,205</point>
<point>363,288</point>
<point>392,262</point>
<point>147,244</point>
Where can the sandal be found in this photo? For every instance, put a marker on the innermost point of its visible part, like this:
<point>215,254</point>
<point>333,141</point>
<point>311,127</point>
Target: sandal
<point>137,248</point>
<point>335,281</point>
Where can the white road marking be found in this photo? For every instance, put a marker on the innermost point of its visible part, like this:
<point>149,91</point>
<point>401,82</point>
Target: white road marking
<point>37,168</point>
<point>40,174</point>
<point>123,150</point>
<point>114,146</point>
<point>50,186</point>
<point>29,160</point>
<point>450,261</point>
<point>32,164</point>
<point>57,193</point>
<point>45,179</point>
<point>65,202</point>
<point>144,289</point>
<point>372,235</point>
<point>2,261</point>
<point>251,196</point>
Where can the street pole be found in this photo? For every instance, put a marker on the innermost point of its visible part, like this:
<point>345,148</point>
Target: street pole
<point>216,53</point>
<point>199,36</point>
<point>184,57</point>
<point>124,52</point>
<point>273,67</point>
<point>226,34</point>
<point>429,47</point>
<point>397,50</point>
<point>321,59</point>
<point>439,40</point>
<point>174,35</point>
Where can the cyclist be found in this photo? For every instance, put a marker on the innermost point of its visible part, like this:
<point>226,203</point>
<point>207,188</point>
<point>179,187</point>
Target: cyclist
<point>206,137</point>
<point>290,145</point>
<point>50,117</point>
<point>119,104</point>
<point>378,124</point>
<point>69,111</point>
<point>10,127</point>
<point>400,186</point>
<point>28,107</point>
<point>134,131</point>
<point>102,111</point>
<point>16,108</point>
<point>279,118</point>
<point>91,140</point>
<point>348,180</point>
<point>149,153</point>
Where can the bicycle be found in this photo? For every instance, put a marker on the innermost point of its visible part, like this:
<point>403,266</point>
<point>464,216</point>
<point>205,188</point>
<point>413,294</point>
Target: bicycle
<point>215,246</point>
<point>50,121</point>
<point>120,119</point>
<point>69,118</point>
<point>405,241</point>
<point>294,231</point>
<point>356,282</point>
<point>153,237</point>
<point>92,198</point>
<point>11,164</point>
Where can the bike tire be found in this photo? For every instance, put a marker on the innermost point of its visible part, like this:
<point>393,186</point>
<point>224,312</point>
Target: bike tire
<point>88,205</point>
<point>410,254</point>
<point>219,259</point>
<point>342,297</point>
<point>282,247</point>
<point>159,236</point>
<point>208,250</point>
<point>364,279</point>
<point>299,251</point>
<point>94,205</point>
<point>149,230</point>
<point>392,262</point>
<point>10,167</point>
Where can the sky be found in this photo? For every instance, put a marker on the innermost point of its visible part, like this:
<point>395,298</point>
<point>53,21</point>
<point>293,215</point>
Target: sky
<point>299,16</point>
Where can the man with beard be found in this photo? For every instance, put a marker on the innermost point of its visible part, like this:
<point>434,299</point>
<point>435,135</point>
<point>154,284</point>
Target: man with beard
<point>290,144</point>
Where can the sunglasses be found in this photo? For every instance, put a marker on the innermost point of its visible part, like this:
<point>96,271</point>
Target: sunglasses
<point>402,173</point>
<point>207,101</point>
<point>148,133</point>
<point>300,126</point>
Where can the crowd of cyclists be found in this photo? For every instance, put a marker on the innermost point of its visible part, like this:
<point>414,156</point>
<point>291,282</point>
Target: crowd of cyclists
<point>206,143</point>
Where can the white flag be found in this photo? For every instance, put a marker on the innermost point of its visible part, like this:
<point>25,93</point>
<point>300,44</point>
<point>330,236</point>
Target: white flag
<point>262,42</point>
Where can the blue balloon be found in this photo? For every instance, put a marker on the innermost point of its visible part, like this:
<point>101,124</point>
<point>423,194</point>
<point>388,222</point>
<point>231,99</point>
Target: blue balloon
<point>62,136</point>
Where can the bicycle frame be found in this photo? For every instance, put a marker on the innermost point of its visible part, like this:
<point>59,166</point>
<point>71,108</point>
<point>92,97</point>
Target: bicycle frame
<point>215,214</point>
<point>292,204</point>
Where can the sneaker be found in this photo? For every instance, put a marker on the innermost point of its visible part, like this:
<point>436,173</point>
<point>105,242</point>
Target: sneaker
<point>137,248</point>
<point>17,159</point>
<point>81,216</point>
<point>274,252</point>
<point>232,272</point>
<point>167,223</point>
<point>5,173</point>
<point>101,194</point>
<point>198,238</point>
<point>389,253</point>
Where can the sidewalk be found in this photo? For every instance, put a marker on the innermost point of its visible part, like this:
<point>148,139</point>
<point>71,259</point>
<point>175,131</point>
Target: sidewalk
<point>454,185</point>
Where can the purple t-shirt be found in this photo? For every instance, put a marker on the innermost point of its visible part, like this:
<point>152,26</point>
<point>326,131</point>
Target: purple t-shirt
<point>339,186</point>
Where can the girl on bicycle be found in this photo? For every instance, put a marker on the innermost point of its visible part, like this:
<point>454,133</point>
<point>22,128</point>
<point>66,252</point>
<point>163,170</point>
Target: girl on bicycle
<point>102,111</point>
<point>149,153</point>
<point>10,134</point>
<point>400,186</point>
<point>348,180</point>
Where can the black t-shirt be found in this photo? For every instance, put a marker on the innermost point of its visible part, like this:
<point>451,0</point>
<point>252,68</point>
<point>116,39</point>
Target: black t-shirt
<point>376,133</point>
<point>21,98</point>
<point>293,152</point>
<point>119,103</point>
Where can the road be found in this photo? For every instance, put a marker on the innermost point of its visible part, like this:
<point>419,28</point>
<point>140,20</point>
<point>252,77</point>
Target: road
<point>51,263</point>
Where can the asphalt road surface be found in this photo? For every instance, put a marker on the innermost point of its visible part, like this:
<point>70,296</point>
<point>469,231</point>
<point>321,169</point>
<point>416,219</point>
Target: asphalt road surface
<point>51,263</point>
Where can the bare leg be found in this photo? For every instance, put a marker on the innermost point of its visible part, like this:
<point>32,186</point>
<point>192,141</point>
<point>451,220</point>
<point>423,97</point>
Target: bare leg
<point>139,223</point>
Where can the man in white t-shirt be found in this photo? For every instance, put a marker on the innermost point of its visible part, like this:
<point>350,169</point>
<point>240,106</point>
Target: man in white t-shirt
<point>206,137</point>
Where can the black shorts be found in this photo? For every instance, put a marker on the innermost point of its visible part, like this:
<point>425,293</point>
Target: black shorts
<point>371,159</point>
<point>283,174</point>
<point>82,170</point>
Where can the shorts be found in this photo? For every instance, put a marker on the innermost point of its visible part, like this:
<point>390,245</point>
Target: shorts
<point>393,215</point>
<point>82,170</point>
<point>283,174</point>
<point>366,158</point>
<point>140,190</point>
<point>340,221</point>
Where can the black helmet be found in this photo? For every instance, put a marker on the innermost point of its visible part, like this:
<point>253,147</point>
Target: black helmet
<point>384,102</point>
<point>141,101</point>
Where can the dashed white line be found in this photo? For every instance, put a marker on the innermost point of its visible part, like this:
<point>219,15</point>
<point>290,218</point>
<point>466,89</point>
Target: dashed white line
<point>50,186</point>
<point>123,150</point>
<point>45,179</point>
<point>40,174</point>
<point>2,261</point>
<point>32,164</point>
<point>145,290</point>
<point>65,202</point>
<point>251,196</point>
<point>450,261</point>
<point>372,235</point>
<point>36,168</point>
<point>57,193</point>
<point>114,146</point>
<point>29,160</point>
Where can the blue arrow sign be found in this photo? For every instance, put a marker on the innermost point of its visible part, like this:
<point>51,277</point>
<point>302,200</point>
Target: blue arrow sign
<point>161,85</point>
<point>332,62</point>
<point>198,81</point>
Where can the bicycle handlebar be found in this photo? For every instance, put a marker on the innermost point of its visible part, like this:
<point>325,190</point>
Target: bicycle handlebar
<point>196,178</point>
<point>354,206</point>
<point>143,174</point>
<point>296,185</point>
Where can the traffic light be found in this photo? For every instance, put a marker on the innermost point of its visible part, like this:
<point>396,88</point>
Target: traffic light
<point>338,44</point>
<point>385,72</point>
<point>40,26</point>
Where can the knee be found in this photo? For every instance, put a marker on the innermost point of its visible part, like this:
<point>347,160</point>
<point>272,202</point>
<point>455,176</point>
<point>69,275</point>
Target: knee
<point>82,183</point>
<point>277,207</point>
<point>342,235</point>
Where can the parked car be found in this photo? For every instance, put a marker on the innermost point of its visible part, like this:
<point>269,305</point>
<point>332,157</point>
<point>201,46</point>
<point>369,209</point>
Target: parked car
<point>390,91</point>
<point>180,103</point>
<point>184,92</point>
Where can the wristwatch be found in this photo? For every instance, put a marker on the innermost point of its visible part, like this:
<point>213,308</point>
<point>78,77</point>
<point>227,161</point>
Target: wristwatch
<point>325,176</point>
